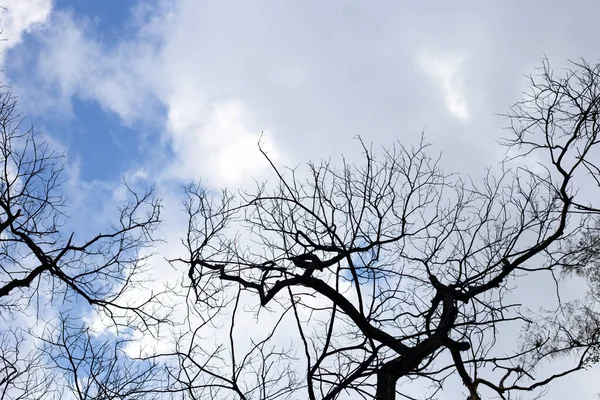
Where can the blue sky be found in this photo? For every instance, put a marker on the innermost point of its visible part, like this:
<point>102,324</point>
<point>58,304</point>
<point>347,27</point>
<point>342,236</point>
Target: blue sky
<point>103,146</point>
<point>110,17</point>
<point>171,91</point>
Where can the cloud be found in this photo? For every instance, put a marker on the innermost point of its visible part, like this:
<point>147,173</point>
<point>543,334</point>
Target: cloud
<point>222,145</point>
<point>74,62</point>
<point>138,80</point>
<point>211,77</point>
<point>445,70</point>
<point>19,17</point>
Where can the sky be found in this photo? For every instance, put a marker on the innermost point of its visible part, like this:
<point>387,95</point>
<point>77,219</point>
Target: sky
<point>168,92</point>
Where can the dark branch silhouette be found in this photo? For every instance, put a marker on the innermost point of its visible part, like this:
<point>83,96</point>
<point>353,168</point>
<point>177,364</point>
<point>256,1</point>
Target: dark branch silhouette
<point>393,270</point>
<point>44,267</point>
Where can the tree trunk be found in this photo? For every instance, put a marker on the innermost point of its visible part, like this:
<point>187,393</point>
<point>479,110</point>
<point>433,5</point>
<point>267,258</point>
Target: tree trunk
<point>386,385</point>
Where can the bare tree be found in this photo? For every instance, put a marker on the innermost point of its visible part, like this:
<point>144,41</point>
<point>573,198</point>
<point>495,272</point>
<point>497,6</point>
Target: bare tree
<point>557,126</point>
<point>22,369</point>
<point>201,366</point>
<point>95,367</point>
<point>42,267</point>
<point>393,271</point>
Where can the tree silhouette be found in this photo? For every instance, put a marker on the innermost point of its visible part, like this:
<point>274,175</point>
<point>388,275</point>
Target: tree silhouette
<point>44,267</point>
<point>366,279</point>
<point>393,271</point>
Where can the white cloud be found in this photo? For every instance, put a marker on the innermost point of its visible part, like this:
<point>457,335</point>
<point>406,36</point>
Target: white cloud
<point>215,140</point>
<point>19,17</point>
<point>222,145</point>
<point>75,63</point>
<point>317,76</point>
<point>446,71</point>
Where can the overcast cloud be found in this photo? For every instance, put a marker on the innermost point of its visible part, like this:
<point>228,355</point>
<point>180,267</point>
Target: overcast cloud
<point>196,82</point>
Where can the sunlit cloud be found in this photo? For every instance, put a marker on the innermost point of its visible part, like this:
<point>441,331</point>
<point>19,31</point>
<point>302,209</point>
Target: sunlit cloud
<point>18,17</point>
<point>445,70</point>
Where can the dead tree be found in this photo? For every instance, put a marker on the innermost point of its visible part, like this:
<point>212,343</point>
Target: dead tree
<point>393,271</point>
<point>43,265</point>
<point>97,367</point>
<point>23,372</point>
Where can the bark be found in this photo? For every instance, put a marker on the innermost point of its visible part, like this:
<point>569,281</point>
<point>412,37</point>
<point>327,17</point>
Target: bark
<point>386,385</point>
